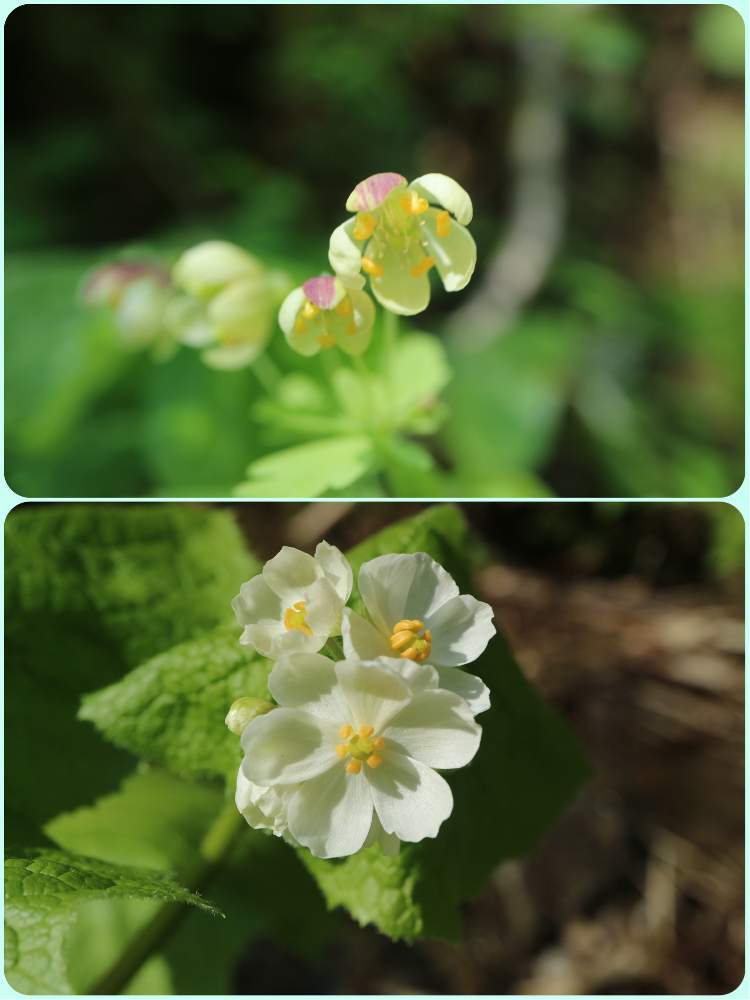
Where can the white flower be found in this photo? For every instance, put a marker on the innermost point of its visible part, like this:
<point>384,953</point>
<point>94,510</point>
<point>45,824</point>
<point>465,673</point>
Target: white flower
<point>264,808</point>
<point>295,603</point>
<point>417,614</point>
<point>361,742</point>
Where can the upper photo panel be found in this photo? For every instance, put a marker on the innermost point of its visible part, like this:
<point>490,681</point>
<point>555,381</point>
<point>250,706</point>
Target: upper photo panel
<point>374,251</point>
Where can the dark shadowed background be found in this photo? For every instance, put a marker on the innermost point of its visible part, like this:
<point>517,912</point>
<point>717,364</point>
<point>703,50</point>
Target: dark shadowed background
<point>597,352</point>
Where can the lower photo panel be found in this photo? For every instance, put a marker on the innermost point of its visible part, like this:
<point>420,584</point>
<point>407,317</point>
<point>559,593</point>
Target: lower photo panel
<point>374,748</point>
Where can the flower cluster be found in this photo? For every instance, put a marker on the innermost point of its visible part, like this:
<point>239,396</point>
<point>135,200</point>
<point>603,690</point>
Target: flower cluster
<point>349,752</point>
<point>398,233</point>
<point>218,298</point>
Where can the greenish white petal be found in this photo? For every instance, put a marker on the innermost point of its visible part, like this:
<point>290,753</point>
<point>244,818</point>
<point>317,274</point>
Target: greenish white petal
<point>440,189</point>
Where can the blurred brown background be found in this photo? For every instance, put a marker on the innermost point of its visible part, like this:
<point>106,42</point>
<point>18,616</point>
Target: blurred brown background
<point>629,619</point>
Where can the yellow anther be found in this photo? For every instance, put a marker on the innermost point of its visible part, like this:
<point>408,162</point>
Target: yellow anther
<point>300,326</point>
<point>413,204</point>
<point>326,341</point>
<point>342,750</point>
<point>295,618</point>
<point>310,310</point>
<point>378,743</point>
<point>364,227</point>
<point>371,267</point>
<point>374,760</point>
<point>422,267</point>
<point>365,731</point>
<point>344,307</point>
<point>351,329</point>
<point>345,732</point>
<point>443,223</point>
<point>354,766</point>
<point>411,640</point>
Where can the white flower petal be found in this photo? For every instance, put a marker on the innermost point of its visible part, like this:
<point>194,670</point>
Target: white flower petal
<point>323,607</point>
<point>394,587</point>
<point>273,640</point>
<point>264,808</point>
<point>461,629</point>
<point>389,843</point>
<point>287,745</point>
<point>442,190</point>
<point>455,254</point>
<point>356,341</point>
<point>256,602</point>
<point>332,814</point>
<point>309,681</point>
<point>472,689</point>
<point>418,676</point>
<point>436,728</point>
<point>362,641</point>
<point>411,800</point>
<point>336,567</point>
<point>397,288</point>
<point>289,309</point>
<point>374,693</point>
<point>290,572</point>
<point>344,252</point>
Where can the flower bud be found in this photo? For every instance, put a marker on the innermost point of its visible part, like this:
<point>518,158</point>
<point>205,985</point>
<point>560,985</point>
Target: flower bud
<point>208,267</point>
<point>243,711</point>
<point>106,285</point>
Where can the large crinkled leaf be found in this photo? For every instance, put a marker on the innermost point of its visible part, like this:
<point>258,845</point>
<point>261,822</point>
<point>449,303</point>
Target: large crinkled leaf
<point>309,470</point>
<point>171,709</point>
<point>90,592</point>
<point>43,890</point>
<point>159,820</point>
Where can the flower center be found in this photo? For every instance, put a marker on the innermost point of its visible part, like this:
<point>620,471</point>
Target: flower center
<point>296,618</point>
<point>411,640</point>
<point>359,746</point>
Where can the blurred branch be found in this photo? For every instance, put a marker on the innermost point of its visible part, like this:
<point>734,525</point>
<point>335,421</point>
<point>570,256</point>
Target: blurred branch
<point>537,142</point>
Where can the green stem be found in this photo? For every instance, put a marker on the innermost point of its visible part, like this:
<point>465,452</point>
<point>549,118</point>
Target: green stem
<point>267,373</point>
<point>334,648</point>
<point>150,939</point>
<point>390,336</point>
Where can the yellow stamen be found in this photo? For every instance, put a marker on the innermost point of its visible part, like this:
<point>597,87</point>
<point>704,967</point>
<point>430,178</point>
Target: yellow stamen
<point>364,227</point>
<point>412,204</point>
<point>310,310</point>
<point>344,307</point>
<point>374,760</point>
<point>354,766</point>
<point>342,750</point>
<point>411,640</point>
<point>443,223</point>
<point>371,268</point>
<point>422,267</point>
<point>378,743</point>
<point>365,731</point>
<point>300,325</point>
<point>351,329</point>
<point>345,732</point>
<point>326,341</point>
<point>295,618</point>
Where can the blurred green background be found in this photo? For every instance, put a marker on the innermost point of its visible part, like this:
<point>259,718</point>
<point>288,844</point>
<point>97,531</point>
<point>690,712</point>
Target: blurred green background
<point>598,351</point>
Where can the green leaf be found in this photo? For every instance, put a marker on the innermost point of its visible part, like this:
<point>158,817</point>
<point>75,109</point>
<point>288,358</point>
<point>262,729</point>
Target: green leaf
<point>309,470</point>
<point>159,820</point>
<point>44,888</point>
<point>90,591</point>
<point>171,709</point>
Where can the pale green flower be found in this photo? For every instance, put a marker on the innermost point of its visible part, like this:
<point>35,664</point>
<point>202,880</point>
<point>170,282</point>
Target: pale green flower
<point>225,303</point>
<point>138,293</point>
<point>400,231</point>
<point>327,312</point>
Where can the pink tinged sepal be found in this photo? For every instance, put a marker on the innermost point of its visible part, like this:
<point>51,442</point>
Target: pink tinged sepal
<point>373,191</point>
<point>322,291</point>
